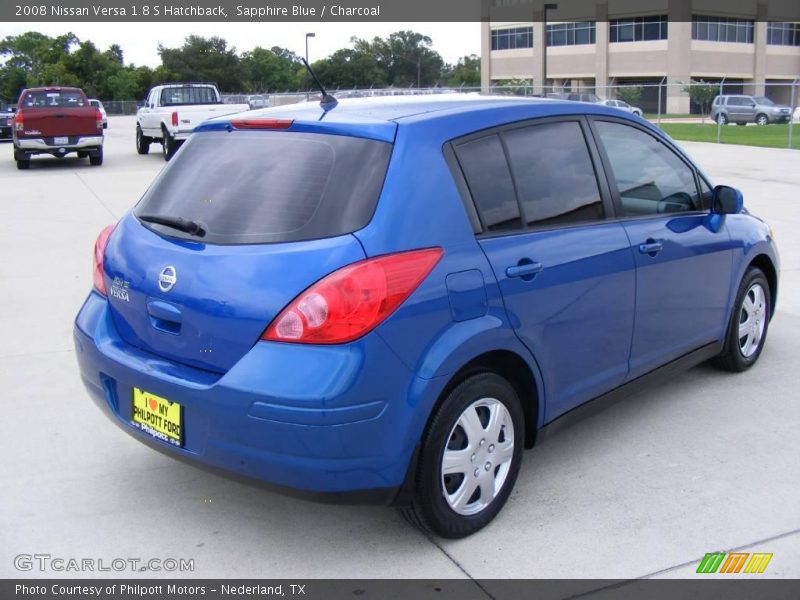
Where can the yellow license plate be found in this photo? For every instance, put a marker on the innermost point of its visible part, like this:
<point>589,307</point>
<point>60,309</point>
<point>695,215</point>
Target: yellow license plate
<point>157,416</point>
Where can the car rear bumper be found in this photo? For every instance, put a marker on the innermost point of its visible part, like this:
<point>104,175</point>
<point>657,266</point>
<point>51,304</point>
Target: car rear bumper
<point>48,145</point>
<point>337,423</point>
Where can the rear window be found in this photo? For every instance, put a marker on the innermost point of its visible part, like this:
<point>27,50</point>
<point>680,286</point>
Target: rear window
<point>176,96</point>
<point>53,99</point>
<point>254,187</point>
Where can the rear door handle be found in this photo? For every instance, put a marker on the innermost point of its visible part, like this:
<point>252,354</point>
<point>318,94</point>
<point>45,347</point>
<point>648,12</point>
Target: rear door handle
<point>651,247</point>
<point>524,270</point>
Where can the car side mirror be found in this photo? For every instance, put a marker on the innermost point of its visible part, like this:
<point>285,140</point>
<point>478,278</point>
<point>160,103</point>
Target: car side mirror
<point>727,200</point>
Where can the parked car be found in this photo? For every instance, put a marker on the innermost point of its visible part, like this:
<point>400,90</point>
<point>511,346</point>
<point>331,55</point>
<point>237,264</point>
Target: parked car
<point>290,302</point>
<point>575,97</point>
<point>58,121</point>
<point>99,106</point>
<point>257,101</point>
<point>748,109</point>
<point>7,122</point>
<point>622,106</point>
<point>172,111</point>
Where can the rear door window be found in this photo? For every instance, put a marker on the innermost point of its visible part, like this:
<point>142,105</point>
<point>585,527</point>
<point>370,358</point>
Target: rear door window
<point>250,187</point>
<point>554,174</point>
<point>485,169</point>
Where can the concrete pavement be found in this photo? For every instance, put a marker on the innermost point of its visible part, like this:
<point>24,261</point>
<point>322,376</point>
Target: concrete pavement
<point>706,462</point>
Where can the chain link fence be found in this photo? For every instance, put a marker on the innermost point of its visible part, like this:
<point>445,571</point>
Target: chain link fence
<point>686,110</point>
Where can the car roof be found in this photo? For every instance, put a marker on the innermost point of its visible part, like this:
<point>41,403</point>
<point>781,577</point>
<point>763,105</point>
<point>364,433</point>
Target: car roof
<point>379,117</point>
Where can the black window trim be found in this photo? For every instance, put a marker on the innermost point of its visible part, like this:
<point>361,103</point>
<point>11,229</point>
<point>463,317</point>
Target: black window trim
<point>612,184</point>
<point>478,226</point>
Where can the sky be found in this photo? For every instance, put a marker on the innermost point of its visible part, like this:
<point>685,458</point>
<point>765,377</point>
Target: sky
<point>139,41</point>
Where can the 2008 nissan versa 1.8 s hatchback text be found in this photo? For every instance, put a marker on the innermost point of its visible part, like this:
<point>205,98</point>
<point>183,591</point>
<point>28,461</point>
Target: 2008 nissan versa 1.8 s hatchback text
<point>388,300</point>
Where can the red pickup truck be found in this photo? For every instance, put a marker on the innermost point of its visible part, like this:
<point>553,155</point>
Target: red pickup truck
<point>57,121</point>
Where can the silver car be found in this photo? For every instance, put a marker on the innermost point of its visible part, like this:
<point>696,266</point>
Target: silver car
<point>741,110</point>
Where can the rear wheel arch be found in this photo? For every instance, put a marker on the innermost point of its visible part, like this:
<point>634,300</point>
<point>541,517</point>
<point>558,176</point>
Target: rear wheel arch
<point>512,367</point>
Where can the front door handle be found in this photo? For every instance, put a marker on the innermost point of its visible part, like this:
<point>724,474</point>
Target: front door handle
<point>525,270</point>
<point>651,247</point>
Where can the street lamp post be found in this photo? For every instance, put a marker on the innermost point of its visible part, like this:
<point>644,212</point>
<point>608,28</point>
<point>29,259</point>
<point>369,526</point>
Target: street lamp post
<point>547,7</point>
<point>308,35</point>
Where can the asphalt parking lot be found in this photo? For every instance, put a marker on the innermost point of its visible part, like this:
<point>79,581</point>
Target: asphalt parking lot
<point>645,489</point>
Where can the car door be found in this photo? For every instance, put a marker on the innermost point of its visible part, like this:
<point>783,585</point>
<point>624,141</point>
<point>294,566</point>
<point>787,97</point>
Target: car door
<point>147,115</point>
<point>683,256</point>
<point>567,275</point>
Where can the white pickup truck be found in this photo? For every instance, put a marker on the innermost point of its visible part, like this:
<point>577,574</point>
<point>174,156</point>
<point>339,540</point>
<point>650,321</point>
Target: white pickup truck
<point>172,110</point>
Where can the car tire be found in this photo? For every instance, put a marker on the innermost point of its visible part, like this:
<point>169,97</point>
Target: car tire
<point>23,163</point>
<point>722,119</point>
<point>142,141</point>
<point>749,323</point>
<point>762,119</point>
<point>96,157</point>
<point>482,418</point>
<point>168,146</point>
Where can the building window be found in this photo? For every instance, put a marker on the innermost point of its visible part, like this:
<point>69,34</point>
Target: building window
<point>720,29</point>
<point>571,34</point>
<point>515,37</point>
<point>783,34</point>
<point>639,29</point>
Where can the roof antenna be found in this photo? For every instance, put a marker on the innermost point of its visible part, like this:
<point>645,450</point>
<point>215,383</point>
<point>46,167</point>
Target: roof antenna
<point>328,101</point>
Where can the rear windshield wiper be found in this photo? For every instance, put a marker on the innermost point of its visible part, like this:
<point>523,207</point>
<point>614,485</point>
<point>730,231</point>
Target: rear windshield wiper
<point>179,223</point>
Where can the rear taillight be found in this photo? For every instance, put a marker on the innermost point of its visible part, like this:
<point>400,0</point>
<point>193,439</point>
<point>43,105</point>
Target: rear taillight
<point>19,123</point>
<point>261,123</point>
<point>175,119</point>
<point>99,117</point>
<point>352,301</point>
<point>99,253</point>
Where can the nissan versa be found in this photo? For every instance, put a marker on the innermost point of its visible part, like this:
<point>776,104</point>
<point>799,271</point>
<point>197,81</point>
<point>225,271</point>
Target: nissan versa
<point>389,299</point>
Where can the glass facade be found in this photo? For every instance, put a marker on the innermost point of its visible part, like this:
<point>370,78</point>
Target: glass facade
<point>512,38</point>
<point>783,34</point>
<point>571,34</point>
<point>638,29</point>
<point>720,29</point>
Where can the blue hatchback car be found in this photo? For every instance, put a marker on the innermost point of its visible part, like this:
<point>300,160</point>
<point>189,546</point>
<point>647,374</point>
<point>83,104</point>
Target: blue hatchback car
<point>390,299</point>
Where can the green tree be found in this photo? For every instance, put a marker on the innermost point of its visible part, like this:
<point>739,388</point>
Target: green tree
<point>701,93</point>
<point>466,72</point>
<point>630,94</point>
<point>204,59</point>
<point>408,59</point>
<point>269,70</point>
<point>349,68</point>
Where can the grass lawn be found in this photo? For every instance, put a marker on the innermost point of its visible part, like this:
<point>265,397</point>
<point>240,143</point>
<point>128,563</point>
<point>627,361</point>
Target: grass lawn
<point>770,136</point>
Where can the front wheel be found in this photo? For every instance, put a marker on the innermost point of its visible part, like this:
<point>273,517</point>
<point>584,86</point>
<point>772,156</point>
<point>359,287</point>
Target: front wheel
<point>747,330</point>
<point>142,141</point>
<point>762,120</point>
<point>469,459</point>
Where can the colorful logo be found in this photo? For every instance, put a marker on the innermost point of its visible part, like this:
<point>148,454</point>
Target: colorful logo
<point>734,562</point>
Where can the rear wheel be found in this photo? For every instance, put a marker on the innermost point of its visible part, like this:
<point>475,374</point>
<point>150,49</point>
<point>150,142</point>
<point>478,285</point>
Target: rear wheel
<point>747,330</point>
<point>23,160</point>
<point>96,157</point>
<point>168,146</point>
<point>762,120</point>
<point>469,459</point>
<point>142,141</point>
